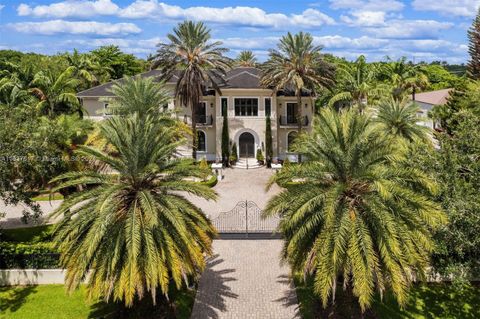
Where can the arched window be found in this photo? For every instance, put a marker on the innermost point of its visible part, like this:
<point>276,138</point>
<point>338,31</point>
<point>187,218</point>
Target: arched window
<point>290,140</point>
<point>201,141</point>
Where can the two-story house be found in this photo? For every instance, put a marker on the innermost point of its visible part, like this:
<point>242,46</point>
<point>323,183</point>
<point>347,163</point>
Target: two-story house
<point>242,99</point>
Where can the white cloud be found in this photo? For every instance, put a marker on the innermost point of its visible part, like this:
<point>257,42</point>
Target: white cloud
<point>464,8</point>
<point>365,18</point>
<point>153,9</point>
<point>76,27</point>
<point>368,5</point>
<point>410,29</point>
<point>339,42</point>
<point>249,16</point>
<point>71,8</point>
<point>1,7</point>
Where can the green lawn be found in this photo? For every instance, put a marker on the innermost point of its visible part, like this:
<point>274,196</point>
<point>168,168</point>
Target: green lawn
<point>28,234</point>
<point>427,301</point>
<point>51,302</point>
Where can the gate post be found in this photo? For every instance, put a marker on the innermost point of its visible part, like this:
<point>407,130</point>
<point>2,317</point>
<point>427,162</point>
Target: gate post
<point>246,219</point>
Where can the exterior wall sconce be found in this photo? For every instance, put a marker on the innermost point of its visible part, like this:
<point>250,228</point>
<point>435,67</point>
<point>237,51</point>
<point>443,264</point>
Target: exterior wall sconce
<point>306,105</point>
<point>211,104</point>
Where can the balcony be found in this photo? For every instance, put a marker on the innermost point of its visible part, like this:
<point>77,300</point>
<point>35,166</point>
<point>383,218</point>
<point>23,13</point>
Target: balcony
<point>202,120</point>
<point>292,121</point>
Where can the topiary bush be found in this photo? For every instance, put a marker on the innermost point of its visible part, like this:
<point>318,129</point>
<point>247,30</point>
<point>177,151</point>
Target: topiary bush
<point>205,168</point>
<point>260,157</point>
<point>233,154</point>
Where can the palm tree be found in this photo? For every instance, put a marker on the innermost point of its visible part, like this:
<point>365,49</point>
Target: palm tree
<point>56,93</point>
<point>297,65</point>
<point>139,95</point>
<point>357,84</point>
<point>359,216</point>
<point>405,77</point>
<point>399,120</point>
<point>84,67</point>
<point>246,58</point>
<point>130,232</point>
<point>13,95</point>
<point>196,62</point>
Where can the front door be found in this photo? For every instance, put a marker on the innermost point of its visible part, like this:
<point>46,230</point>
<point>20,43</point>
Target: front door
<point>246,143</point>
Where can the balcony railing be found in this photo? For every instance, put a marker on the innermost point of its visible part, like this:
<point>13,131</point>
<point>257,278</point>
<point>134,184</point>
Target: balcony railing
<point>291,120</point>
<point>202,120</point>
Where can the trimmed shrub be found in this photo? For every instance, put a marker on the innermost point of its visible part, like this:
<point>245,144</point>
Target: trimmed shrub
<point>260,156</point>
<point>36,256</point>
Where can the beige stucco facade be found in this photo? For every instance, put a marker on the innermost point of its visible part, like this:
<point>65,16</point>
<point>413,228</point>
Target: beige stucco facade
<point>237,124</point>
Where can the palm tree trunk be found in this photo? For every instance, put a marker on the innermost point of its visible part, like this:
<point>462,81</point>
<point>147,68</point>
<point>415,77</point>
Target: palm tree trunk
<point>194,131</point>
<point>299,117</point>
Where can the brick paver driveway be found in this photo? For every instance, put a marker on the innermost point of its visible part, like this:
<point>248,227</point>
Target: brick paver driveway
<point>238,185</point>
<point>245,280</point>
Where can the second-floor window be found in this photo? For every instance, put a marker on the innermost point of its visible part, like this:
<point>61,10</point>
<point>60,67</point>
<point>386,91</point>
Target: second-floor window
<point>246,107</point>
<point>268,106</point>
<point>224,106</point>
<point>201,113</point>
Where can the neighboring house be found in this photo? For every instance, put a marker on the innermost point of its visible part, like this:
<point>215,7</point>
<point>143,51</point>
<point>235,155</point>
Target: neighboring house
<point>426,101</point>
<point>244,101</point>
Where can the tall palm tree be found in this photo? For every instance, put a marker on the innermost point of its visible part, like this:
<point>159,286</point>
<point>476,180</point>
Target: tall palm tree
<point>56,93</point>
<point>359,217</point>
<point>399,120</point>
<point>130,232</point>
<point>357,84</point>
<point>196,61</point>
<point>246,58</point>
<point>297,65</point>
<point>405,77</point>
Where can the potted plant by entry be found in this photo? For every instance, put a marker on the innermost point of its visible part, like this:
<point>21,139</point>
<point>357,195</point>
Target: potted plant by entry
<point>260,157</point>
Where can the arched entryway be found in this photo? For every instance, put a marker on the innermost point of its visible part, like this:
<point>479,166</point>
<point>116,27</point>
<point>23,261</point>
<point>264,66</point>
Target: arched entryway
<point>246,145</point>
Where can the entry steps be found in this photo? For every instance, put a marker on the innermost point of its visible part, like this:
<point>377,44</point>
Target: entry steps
<point>242,163</point>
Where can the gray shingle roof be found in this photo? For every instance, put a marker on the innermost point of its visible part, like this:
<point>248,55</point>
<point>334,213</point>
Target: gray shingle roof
<point>242,78</point>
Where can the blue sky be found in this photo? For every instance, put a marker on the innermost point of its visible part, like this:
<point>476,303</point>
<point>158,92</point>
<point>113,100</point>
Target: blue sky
<point>423,30</point>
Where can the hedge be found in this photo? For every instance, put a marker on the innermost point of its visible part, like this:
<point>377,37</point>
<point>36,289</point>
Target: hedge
<point>36,256</point>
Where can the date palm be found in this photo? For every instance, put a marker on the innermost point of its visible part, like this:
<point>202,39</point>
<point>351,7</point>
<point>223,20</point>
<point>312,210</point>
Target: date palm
<point>398,119</point>
<point>130,232</point>
<point>297,65</point>
<point>356,216</point>
<point>139,95</point>
<point>196,61</point>
<point>246,58</point>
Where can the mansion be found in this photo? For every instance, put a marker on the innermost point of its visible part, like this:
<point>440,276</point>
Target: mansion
<point>246,105</point>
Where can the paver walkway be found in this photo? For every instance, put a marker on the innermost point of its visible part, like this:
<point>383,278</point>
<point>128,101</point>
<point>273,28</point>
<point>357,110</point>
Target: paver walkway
<point>238,185</point>
<point>245,280</point>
